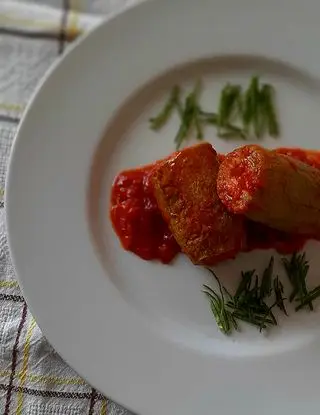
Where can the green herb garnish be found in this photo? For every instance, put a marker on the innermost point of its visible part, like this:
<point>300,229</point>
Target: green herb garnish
<point>297,269</point>
<point>228,105</point>
<point>173,102</point>
<point>266,282</point>
<point>239,113</point>
<point>223,316</point>
<point>268,106</point>
<point>190,117</point>
<point>259,109</point>
<point>244,285</point>
<point>249,303</point>
<point>209,117</point>
<point>307,299</point>
<point>229,130</point>
<point>278,292</point>
<point>198,124</point>
<point>256,106</point>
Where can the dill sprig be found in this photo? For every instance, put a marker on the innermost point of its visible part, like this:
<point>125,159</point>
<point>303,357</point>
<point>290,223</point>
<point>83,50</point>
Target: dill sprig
<point>249,304</point>
<point>173,102</point>
<point>268,106</point>
<point>190,117</point>
<point>307,299</point>
<point>297,269</point>
<point>266,282</point>
<point>229,130</point>
<point>247,112</point>
<point>223,316</point>
<point>256,107</point>
<point>259,109</point>
<point>278,292</point>
<point>228,106</point>
<point>209,117</point>
<point>244,285</point>
<point>239,114</point>
<point>251,107</point>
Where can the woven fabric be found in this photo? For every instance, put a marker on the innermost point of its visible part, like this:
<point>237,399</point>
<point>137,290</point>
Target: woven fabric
<point>34,380</point>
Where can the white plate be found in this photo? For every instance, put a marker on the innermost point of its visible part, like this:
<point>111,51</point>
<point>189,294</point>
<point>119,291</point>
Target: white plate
<point>139,331</point>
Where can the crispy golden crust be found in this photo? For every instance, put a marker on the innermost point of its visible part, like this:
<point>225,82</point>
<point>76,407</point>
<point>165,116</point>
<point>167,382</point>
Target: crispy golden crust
<point>185,189</point>
<point>271,188</point>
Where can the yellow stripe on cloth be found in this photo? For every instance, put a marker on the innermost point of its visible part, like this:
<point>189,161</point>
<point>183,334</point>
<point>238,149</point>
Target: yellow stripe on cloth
<point>55,380</point>
<point>23,373</point>
<point>46,379</point>
<point>71,31</point>
<point>104,407</point>
<point>12,107</point>
<point>74,18</point>
<point>8,284</point>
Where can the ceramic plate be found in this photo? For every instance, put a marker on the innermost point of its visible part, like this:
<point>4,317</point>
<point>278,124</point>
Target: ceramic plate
<point>141,332</point>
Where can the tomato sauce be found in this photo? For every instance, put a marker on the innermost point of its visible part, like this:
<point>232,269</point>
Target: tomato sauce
<point>141,229</point>
<point>137,220</point>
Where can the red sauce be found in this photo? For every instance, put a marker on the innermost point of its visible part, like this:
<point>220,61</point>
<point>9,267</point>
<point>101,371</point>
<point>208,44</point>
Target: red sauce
<point>141,229</point>
<point>137,220</point>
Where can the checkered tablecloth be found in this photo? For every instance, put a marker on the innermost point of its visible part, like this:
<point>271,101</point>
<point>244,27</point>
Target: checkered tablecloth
<point>34,380</point>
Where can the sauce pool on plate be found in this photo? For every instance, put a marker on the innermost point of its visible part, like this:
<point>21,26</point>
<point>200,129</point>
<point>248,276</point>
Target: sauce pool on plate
<point>137,220</point>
